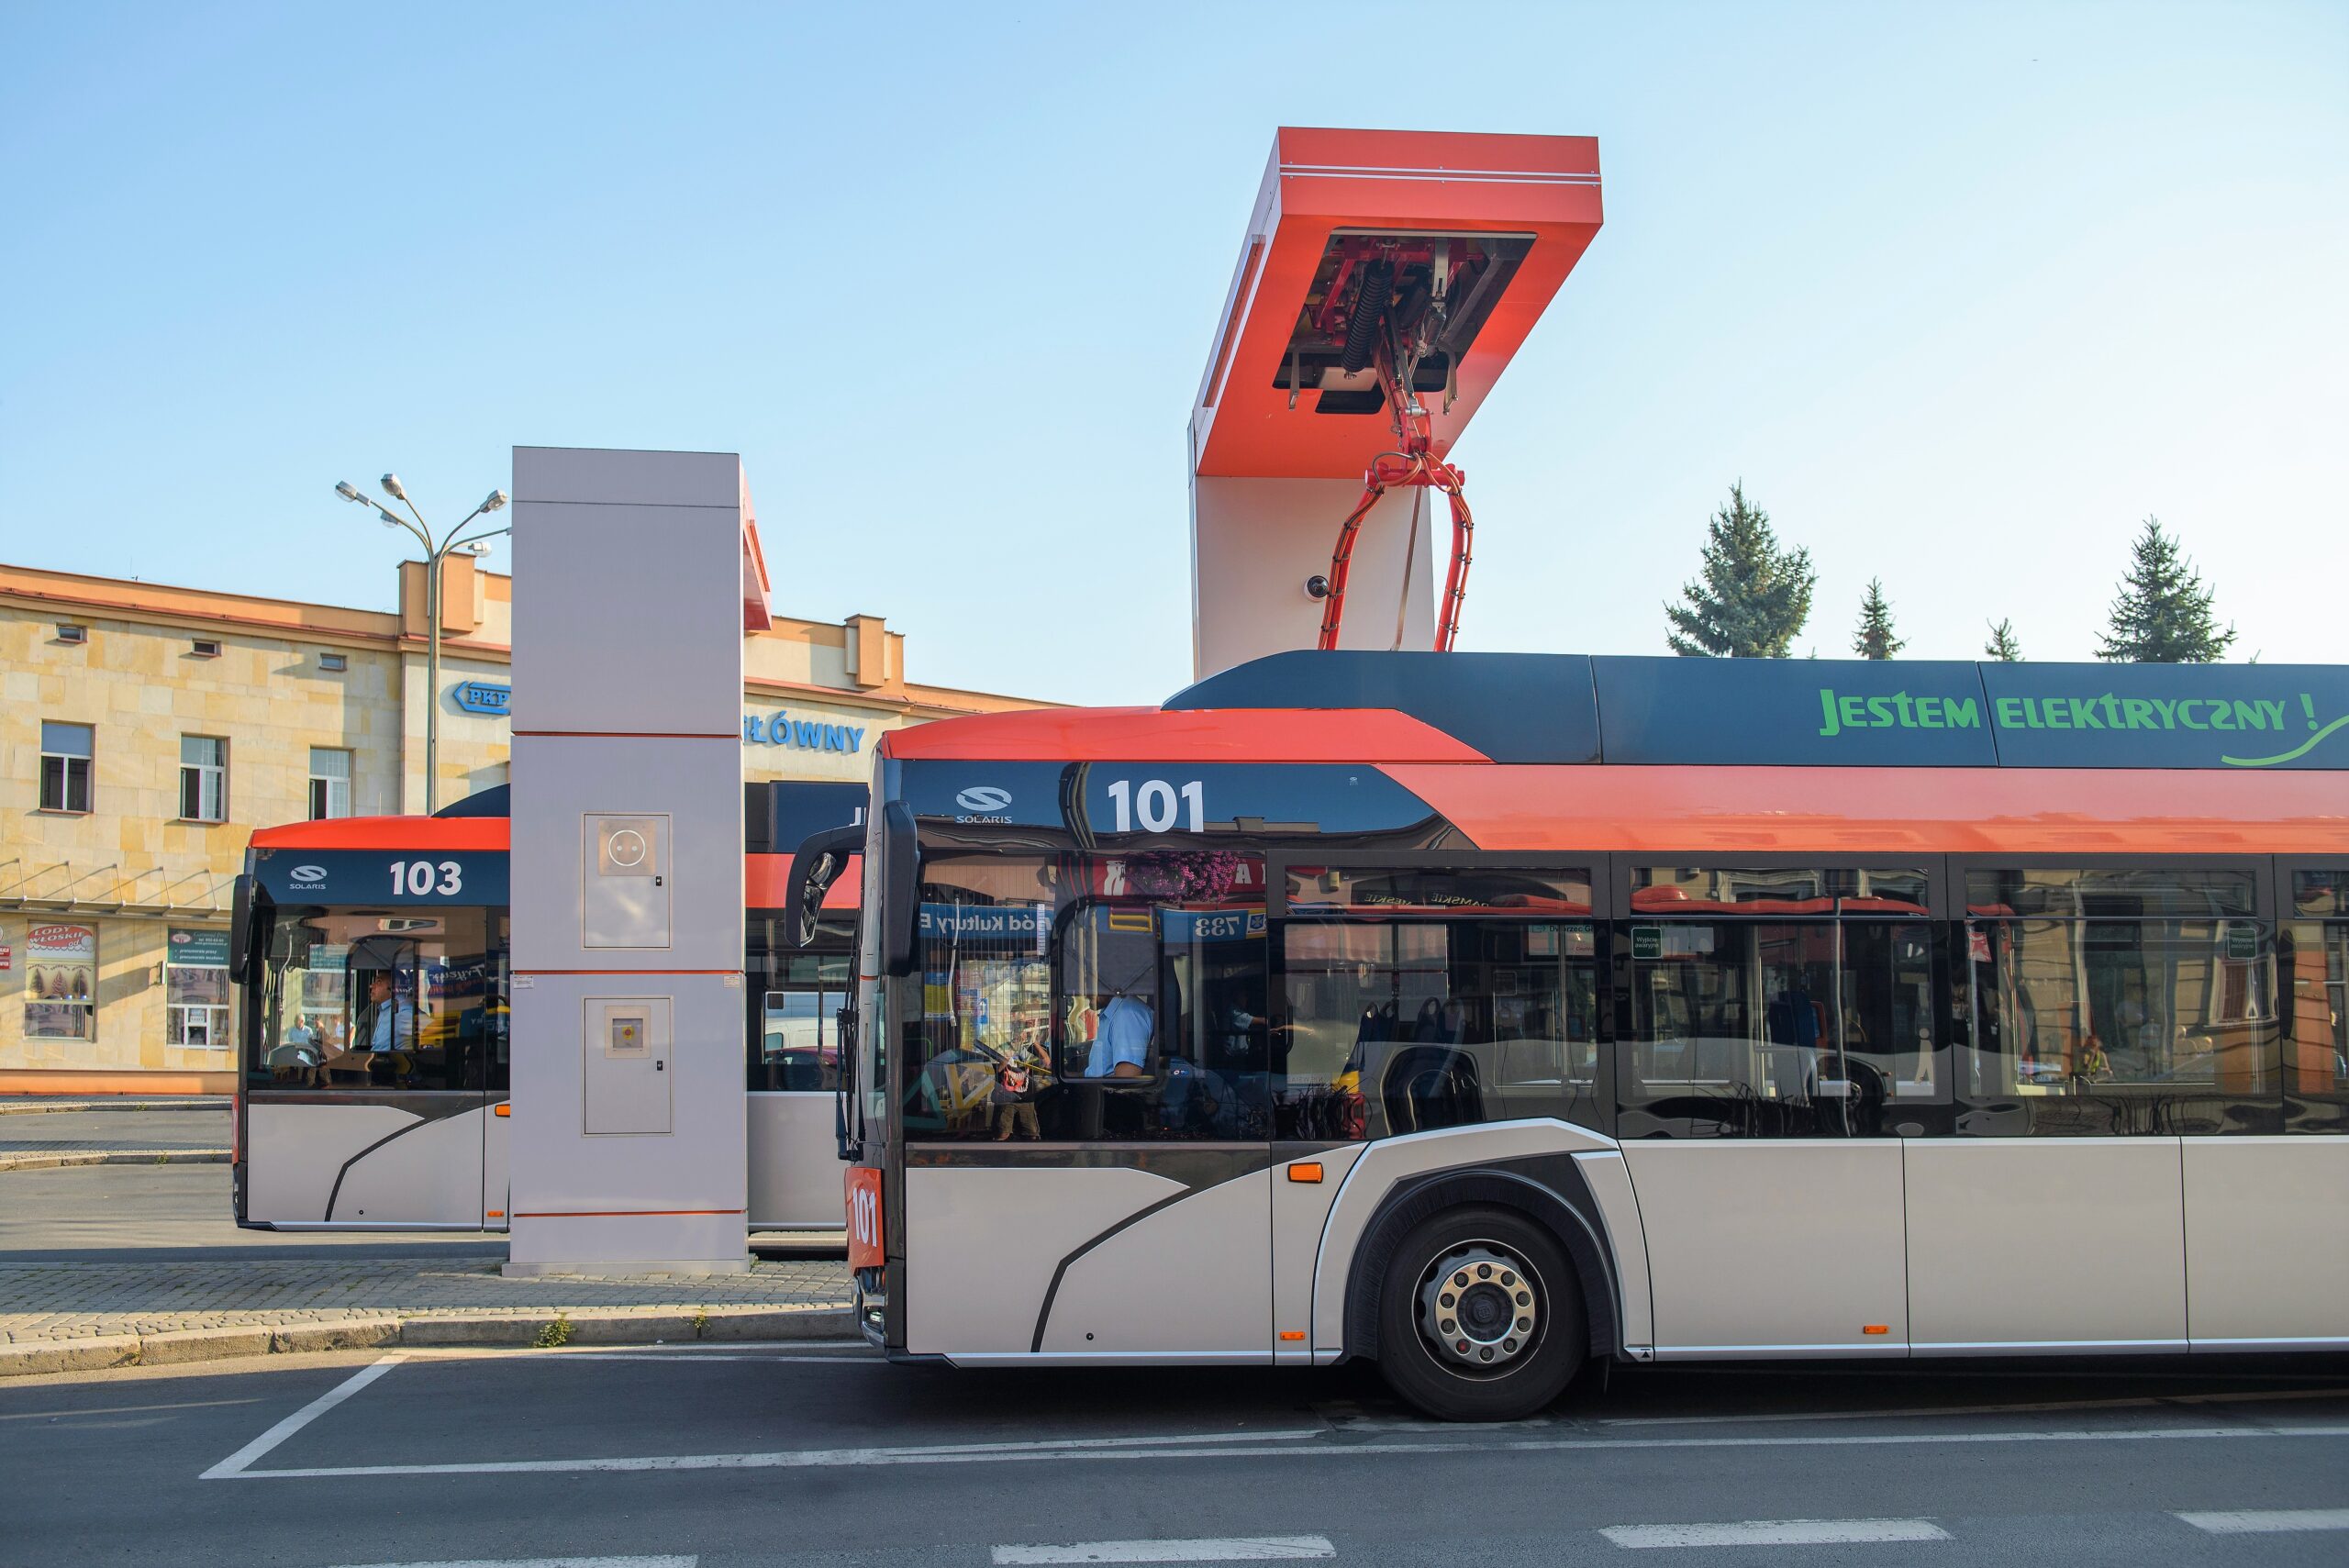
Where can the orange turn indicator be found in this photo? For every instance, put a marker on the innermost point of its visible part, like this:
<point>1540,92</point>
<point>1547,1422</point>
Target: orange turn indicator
<point>503,1110</point>
<point>1876,1328</point>
<point>1292,1333</point>
<point>1309,1172</point>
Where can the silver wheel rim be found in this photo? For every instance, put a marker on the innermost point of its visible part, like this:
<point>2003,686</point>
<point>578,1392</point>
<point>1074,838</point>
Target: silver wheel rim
<point>1480,1308</point>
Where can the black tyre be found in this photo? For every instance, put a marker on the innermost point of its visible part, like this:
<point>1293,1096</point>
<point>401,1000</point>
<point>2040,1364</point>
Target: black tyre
<point>1480,1318</point>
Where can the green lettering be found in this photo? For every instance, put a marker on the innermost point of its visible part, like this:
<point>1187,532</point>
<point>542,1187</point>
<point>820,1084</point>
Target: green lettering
<point>2053,710</point>
<point>2248,717</point>
<point>1880,713</point>
<point>2010,711</point>
<point>1961,714</point>
<point>1853,717</point>
<point>2084,714</point>
<point>2222,718</point>
<point>2140,712</point>
<point>2185,716</point>
<point>2111,714</point>
<point>2168,710</point>
<point>1929,713</point>
<point>1900,701</point>
<point>1827,711</point>
<point>2273,710</point>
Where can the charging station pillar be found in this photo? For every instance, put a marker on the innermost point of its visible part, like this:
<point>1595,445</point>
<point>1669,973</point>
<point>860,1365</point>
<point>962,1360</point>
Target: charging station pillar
<point>634,572</point>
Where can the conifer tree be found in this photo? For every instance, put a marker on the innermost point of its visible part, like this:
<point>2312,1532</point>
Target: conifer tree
<point>1750,596</point>
<point>2161,615</point>
<point>2004,645</point>
<point>1875,638</point>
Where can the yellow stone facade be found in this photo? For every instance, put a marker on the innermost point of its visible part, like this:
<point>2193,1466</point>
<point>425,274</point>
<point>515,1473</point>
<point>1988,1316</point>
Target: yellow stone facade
<point>134,870</point>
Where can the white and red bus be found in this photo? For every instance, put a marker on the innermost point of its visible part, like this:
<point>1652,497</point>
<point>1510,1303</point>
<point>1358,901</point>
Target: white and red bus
<point>1490,1015</point>
<point>372,953</point>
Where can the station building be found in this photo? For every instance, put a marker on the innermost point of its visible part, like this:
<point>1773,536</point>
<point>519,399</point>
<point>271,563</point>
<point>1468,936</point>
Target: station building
<point>148,729</point>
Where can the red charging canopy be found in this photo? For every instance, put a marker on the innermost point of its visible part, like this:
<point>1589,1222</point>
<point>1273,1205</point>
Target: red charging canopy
<point>1519,209</point>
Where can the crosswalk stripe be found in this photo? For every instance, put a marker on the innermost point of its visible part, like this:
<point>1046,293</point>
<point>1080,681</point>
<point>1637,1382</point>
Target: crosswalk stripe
<point>2268,1521</point>
<point>1235,1548</point>
<point>1775,1532</point>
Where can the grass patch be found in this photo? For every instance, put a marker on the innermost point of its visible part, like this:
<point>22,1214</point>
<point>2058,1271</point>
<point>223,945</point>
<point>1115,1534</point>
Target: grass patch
<point>552,1336</point>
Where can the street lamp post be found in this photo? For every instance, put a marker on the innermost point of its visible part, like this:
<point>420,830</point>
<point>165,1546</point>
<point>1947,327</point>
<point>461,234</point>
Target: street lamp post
<point>433,555</point>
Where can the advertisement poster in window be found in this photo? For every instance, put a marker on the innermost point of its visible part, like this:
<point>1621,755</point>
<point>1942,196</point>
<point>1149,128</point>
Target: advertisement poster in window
<point>61,982</point>
<point>195,988</point>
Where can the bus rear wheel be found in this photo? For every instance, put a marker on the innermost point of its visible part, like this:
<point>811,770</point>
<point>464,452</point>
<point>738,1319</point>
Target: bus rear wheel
<point>1480,1318</point>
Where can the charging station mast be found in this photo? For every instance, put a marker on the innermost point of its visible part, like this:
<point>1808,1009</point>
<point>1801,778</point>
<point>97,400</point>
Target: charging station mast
<point>1284,426</point>
<point>636,575</point>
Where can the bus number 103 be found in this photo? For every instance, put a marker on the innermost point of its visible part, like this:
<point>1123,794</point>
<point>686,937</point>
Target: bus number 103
<point>419,879</point>
<point>1153,802</point>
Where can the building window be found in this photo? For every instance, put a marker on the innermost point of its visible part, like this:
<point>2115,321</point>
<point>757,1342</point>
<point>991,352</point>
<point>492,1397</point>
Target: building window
<point>334,663</point>
<point>204,778</point>
<point>61,982</point>
<point>205,648</point>
<point>64,767</point>
<point>196,989</point>
<point>67,631</point>
<point>329,783</point>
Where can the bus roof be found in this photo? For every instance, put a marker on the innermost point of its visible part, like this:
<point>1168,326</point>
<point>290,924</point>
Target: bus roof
<point>1576,709</point>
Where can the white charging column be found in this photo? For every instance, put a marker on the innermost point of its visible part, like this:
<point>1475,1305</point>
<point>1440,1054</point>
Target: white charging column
<point>628,1134</point>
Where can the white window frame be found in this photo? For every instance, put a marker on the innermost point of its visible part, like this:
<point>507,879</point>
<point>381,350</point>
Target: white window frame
<point>210,780</point>
<point>65,761</point>
<point>323,805</point>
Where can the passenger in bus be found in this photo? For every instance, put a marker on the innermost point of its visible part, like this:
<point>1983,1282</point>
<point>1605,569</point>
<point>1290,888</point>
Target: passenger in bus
<point>389,1031</point>
<point>1122,1046</point>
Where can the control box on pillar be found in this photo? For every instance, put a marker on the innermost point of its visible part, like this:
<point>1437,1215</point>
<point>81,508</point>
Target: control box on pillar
<point>636,574</point>
<point>1386,279</point>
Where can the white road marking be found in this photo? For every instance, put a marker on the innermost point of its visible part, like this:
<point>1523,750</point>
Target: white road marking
<point>1230,1445</point>
<point>2268,1521</point>
<point>541,1563</point>
<point>1236,1549</point>
<point>1775,1532</point>
<point>235,1463</point>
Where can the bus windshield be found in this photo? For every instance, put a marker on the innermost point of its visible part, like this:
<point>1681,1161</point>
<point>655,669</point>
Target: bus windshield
<point>356,999</point>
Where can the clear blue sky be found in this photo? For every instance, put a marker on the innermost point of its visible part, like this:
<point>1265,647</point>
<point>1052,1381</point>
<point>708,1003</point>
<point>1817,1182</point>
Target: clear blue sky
<point>1961,293</point>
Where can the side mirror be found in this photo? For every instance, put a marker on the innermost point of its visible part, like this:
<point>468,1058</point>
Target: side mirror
<point>900,846</point>
<point>249,909</point>
<point>814,866</point>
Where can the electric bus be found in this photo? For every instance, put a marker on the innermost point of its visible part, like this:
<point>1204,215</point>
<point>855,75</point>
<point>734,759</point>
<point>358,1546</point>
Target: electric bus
<point>373,957</point>
<point>1491,1015</point>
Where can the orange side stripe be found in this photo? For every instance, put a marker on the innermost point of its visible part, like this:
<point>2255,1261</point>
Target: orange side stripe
<point>612,1213</point>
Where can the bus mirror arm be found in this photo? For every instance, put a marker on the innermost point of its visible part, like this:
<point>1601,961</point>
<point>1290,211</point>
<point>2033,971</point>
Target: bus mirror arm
<point>249,910</point>
<point>813,866</point>
<point>900,888</point>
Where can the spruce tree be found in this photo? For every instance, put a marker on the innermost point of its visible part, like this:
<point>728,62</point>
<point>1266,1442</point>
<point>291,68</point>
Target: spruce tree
<point>2161,615</point>
<point>1875,638</point>
<point>2004,645</point>
<point>1750,596</point>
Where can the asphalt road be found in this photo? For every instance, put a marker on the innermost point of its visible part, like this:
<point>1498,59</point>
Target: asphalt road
<point>812,1456</point>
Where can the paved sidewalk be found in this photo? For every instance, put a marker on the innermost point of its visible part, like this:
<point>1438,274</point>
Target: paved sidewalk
<point>80,1316</point>
<point>85,1135</point>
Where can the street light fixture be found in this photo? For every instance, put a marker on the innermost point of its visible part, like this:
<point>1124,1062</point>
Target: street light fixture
<point>450,543</point>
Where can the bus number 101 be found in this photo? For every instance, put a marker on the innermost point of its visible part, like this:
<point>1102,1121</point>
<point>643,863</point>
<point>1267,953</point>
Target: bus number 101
<point>1153,802</point>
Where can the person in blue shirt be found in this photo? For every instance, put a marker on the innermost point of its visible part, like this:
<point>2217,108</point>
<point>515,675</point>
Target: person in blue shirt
<point>1121,1044</point>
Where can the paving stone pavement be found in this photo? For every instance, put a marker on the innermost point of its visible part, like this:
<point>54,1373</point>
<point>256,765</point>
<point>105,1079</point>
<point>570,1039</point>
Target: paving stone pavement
<point>47,1302</point>
<point>114,1132</point>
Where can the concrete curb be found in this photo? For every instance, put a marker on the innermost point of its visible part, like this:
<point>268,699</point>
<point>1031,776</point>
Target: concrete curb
<point>52,1159</point>
<point>802,1324</point>
<point>193,1103</point>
